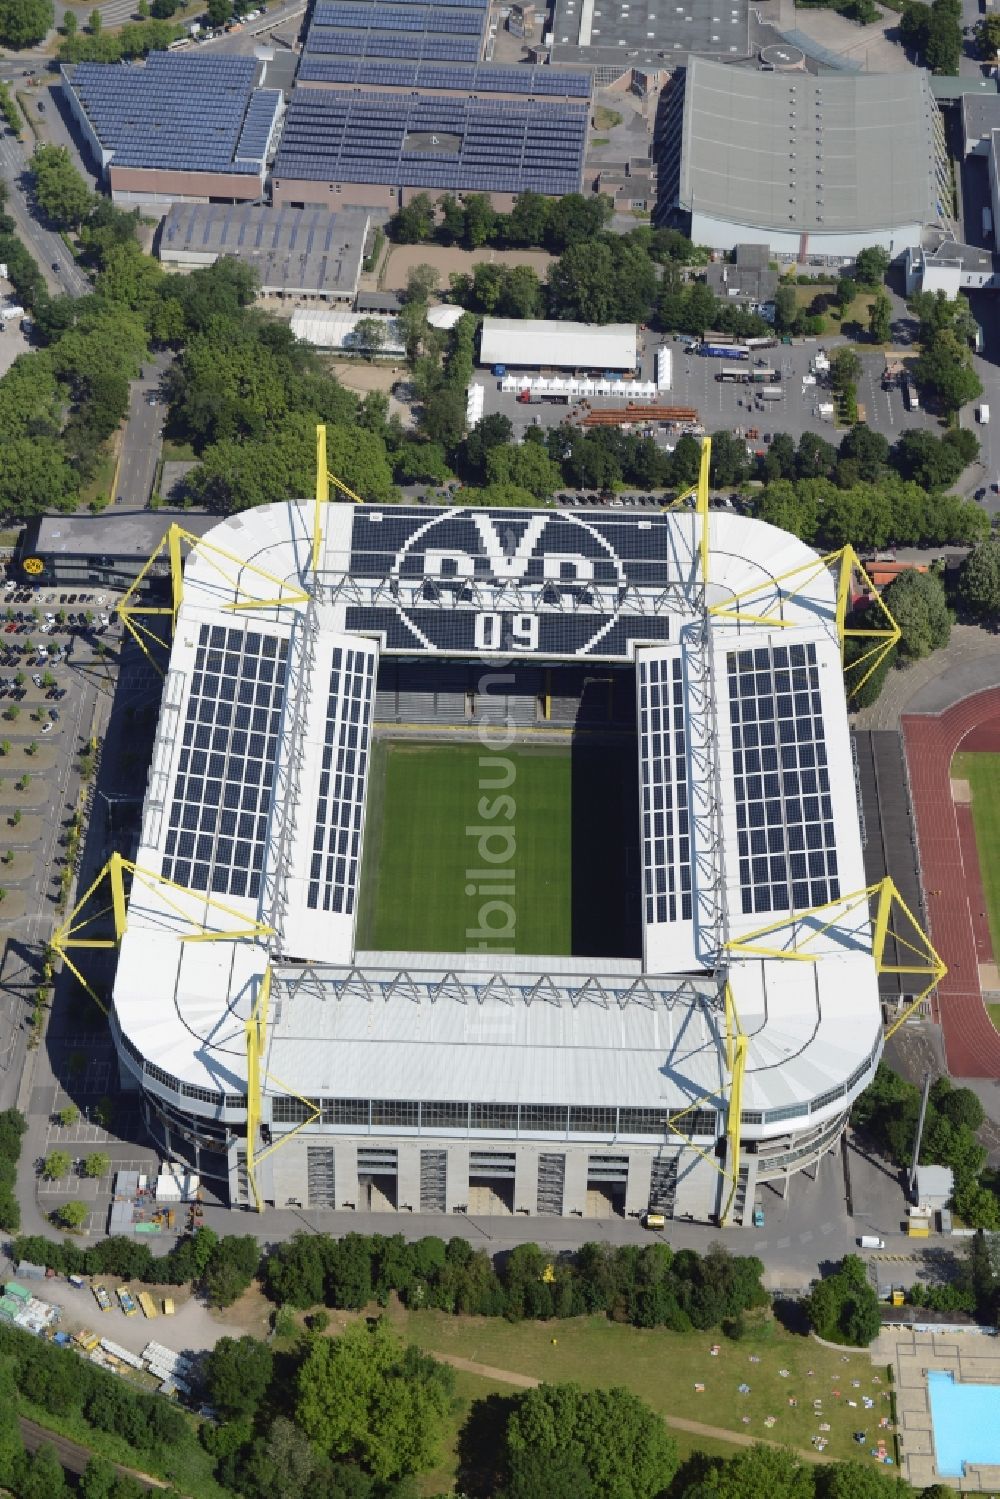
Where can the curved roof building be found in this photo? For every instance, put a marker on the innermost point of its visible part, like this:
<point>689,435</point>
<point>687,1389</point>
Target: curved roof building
<point>813,164</point>
<point>542,1083</point>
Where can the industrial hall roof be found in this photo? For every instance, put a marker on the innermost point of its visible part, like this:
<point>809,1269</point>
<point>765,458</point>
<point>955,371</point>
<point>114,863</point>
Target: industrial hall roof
<point>292,250</point>
<point>546,341</point>
<point>179,113</point>
<point>433,141</point>
<point>795,152</point>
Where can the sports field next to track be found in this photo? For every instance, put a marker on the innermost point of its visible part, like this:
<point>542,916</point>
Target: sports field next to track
<point>548,832</point>
<point>443,818</point>
<point>982,771</point>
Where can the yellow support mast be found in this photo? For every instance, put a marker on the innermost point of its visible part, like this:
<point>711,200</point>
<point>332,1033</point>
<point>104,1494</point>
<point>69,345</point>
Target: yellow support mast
<point>76,932</point>
<point>700,492</point>
<point>324,479</point>
<point>233,571</point>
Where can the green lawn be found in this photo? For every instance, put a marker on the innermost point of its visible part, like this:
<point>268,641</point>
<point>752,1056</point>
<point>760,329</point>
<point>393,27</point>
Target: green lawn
<point>982,771</point>
<point>423,801</point>
<point>663,1368</point>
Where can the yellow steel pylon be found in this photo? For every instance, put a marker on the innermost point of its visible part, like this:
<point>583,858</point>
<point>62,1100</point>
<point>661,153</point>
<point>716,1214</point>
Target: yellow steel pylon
<point>700,492</point>
<point>925,962</point>
<point>132,614</point>
<point>736,1058</point>
<point>324,479</point>
<point>73,933</point>
<point>847,563</point>
<point>256,1039</point>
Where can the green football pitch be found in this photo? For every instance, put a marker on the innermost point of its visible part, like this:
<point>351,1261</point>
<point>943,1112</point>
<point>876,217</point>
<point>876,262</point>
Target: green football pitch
<point>438,811</point>
<point>982,771</point>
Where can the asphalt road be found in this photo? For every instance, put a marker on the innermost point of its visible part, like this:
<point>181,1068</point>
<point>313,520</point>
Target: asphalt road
<point>141,439</point>
<point>46,246</point>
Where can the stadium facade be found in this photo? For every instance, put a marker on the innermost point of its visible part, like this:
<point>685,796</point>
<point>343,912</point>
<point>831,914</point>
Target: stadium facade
<point>725,1054</point>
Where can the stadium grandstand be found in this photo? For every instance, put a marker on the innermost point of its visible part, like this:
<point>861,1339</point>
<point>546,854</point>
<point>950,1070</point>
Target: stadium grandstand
<point>498,861</point>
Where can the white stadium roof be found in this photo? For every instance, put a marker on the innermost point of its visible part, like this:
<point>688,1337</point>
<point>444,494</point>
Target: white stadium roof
<point>256,802</point>
<point>532,342</point>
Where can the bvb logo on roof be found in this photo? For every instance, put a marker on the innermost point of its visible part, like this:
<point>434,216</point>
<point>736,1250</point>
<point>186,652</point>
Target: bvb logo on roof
<point>34,566</point>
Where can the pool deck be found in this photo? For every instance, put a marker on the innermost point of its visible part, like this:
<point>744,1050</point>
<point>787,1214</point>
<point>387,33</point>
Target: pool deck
<point>973,1358</point>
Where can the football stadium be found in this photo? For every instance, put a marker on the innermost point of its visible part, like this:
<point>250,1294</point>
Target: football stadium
<point>499,861</point>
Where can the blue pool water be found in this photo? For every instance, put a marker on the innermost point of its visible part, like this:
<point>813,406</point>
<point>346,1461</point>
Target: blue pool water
<point>966,1421</point>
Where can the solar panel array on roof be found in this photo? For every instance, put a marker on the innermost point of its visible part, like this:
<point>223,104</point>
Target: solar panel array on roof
<point>177,112</point>
<point>333,871</point>
<point>666,858</point>
<point>490,146</point>
<point>787,838</point>
<point>222,794</point>
<point>258,126</point>
<point>446,32</point>
<point>424,77</point>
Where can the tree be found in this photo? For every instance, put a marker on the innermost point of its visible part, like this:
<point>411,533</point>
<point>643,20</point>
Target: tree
<point>866,451</point>
<point>489,432</point>
<point>414,222</point>
<point>606,280</point>
<point>24,23</point>
<point>979,579</point>
<point>917,603</point>
<point>944,370</point>
<point>528,466</point>
<point>786,308</point>
<point>880,318</point>
<point>71,1215</point>
<point>364,1396</point>
<point>843,1307</point>
<point>94,22</point>
<point>69,23</point>
<point>977,1206</point>
<point>369,334</point>
<point>56,1164</point>
<point>847,290</point>
<point>421,282</point>
<point>845,367</point>
<point>69,1115</point>
<point>237,1375</point>
<point>871,265</point>
<point>44,1477</point>
<point>620,1442</point>
<point>729,462</point>
<point>759,1471</point>
<point>97,1165</point>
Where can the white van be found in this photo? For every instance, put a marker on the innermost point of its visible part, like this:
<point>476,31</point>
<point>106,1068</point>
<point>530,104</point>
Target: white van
<point>871,1241</point>
<point>912,399</point>
<point>983,415</point>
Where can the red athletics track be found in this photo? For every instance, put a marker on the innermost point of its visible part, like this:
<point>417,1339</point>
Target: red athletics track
<point>950,872</point>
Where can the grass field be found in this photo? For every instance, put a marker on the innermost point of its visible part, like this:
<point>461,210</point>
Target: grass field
<point>565,840</point>
<point>663,1368</point>
<point>982,771</point>
<point>427,798</point>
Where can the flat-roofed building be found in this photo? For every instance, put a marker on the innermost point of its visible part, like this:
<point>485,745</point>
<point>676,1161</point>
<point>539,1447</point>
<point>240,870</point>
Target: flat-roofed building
<point>534,343</point>
<point>811,165</point>
<point>176,128</point>
<point>300,254</point>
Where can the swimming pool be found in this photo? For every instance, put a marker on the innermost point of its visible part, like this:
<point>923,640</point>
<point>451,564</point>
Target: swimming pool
<point>966,1421</point>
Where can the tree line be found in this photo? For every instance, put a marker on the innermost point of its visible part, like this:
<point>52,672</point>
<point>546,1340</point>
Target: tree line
<point>12,1129</point>
<point>221,1268</point>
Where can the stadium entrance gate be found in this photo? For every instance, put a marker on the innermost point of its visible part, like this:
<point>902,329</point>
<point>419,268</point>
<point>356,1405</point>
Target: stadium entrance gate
<point>378,1171</point>
<point>491,1182</point>
<point>607,1182</point>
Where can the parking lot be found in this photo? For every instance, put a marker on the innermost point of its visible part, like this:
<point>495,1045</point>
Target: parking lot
<point>732,407</point>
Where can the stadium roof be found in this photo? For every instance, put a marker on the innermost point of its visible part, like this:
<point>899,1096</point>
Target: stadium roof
<point>546,341</point>
<point>308,250</point>
<point>179,112</point>
<point>433,141</point>
<point>798,152</point>
<point>257,792</point>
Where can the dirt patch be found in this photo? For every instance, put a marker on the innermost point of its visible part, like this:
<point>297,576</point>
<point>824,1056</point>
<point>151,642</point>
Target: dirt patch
<point>18,869</point>
<point>448,259</point>
<point>13,907</point>
<point>354,375</point>
<point>27,832</point>
<point>961,791</point>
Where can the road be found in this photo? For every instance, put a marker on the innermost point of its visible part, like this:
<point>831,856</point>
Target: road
<point>73,1456</point>
<point>46,246</point>
<point>141,439</point>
